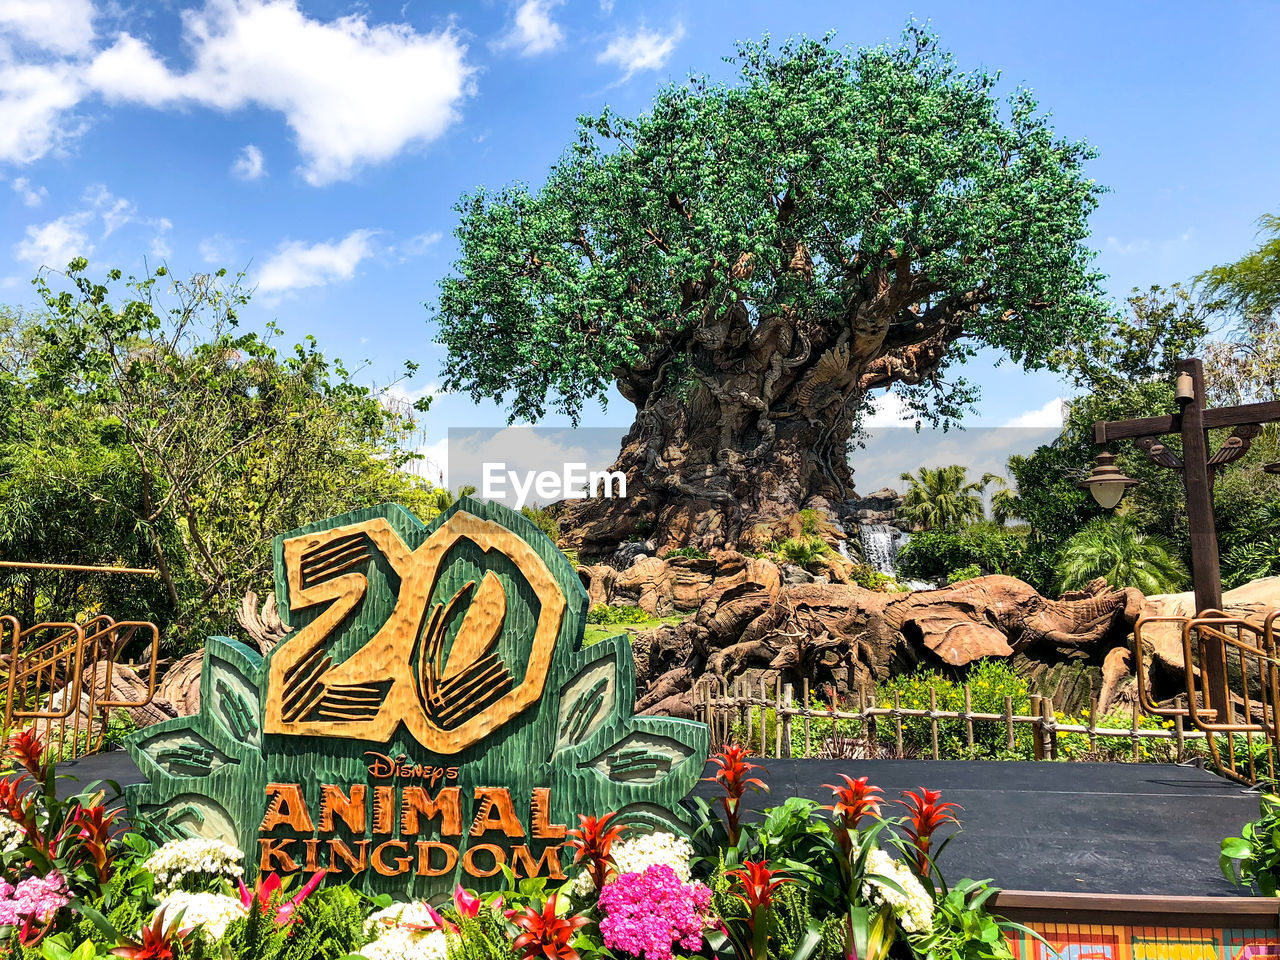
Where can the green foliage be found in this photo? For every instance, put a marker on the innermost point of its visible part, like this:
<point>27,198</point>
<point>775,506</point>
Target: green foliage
<point>542,518</point>
<point>651,228</point>
<point>1251,285</point>
<point>803,551</point>
<point>141,426</point>
<point>942,498</point>
<point>871,578</point>
<point>990,681</point>
<point>1075,746</point>
<point>328,926</point>
<point>1117,549</point>
<point>964,573</point>
<point>989,547</point>
<point>1253,858</point>
<point>691,553</point>
<point>602,613</point>
<point>963,929</point>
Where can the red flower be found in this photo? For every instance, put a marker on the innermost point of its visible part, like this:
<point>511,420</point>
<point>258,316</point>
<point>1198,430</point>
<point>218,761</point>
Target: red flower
<point>732,775</point>
<point>592,841</point>
<point>924,816</point>
<point>468,904</point>
<point>155,942</point>
<point>266,889</point>
<point>27,749</point>
<point>544,935</point>
<point>92,827</point>
<point>855,800</point>
<point>759,883</point>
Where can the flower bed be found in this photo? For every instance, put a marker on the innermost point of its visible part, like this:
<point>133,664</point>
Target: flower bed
<point>858,877</point>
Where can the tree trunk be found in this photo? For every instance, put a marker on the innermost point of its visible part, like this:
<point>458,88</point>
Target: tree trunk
<point>740,429</point>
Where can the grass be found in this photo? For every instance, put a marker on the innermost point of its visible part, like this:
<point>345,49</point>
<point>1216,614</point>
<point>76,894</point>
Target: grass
<point>602,631</point>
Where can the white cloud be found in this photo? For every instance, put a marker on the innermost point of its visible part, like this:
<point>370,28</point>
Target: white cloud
<point>160,241</point>
<point>642,50</point>
<point>217,249</point>
<point>249,164</point>
<point>115,211</point>
<point>31,195</point>
<point>60,26</point>
<point>296,265</point>
<point>888,410</point>
<point>56,243</point>
<point>416,246</point>
<point>34,99</point>
<point>353,93</point>
<point>532,30</point>
<point>1052,414</point>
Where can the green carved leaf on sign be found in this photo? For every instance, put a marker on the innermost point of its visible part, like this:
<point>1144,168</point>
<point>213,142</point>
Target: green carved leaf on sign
<point>433,712</point>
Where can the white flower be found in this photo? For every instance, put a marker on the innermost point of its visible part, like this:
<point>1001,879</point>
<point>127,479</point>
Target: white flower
<point>11,835</point>
<point>638,852</point>
<point>913,907</point>
<point>408,916</point>
<point>196,857</point>
<point>211,912</point>
<point>399,943</point>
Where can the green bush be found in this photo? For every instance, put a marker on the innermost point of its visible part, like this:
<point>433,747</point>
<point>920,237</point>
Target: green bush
<point>964,573</point>
<point>606,615</point>
<point>803,551</point>
<point>1075,746</point>
<point>544,520</point>
<point>871,578</point>
<point>692,553</point>
<point>990,681</point>
<point>934,554</point>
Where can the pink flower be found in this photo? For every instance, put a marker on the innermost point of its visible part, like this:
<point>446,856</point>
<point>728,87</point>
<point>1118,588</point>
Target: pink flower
<point>468,904</point>
<point>35,898</point>
<point>266,890</point>
<point>646,914</point>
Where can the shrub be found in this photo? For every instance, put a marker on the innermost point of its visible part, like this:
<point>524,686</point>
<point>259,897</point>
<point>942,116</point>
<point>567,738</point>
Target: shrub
<point>606,615</point>
<point>1115,548</point>
<point>871,578</point>
<point>990,681</point>
<point>934,554</point>
<point>692,553</point>
<point>964,573</point>
<point>544,520</point>
<point>803,551</point>
<point>1075,746</point>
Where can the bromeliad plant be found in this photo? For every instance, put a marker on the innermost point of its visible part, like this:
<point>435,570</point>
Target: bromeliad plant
<point>732,776</point>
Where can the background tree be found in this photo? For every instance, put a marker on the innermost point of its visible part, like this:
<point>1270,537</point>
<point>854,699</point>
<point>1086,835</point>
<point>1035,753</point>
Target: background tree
<point>145,427</point>
<point>941,498</point>
<point>1117,549</point>
<point>746,262</point>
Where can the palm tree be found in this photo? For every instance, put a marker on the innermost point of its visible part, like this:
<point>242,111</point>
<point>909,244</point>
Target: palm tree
<point>939,498</point>
<point>1114,548</point>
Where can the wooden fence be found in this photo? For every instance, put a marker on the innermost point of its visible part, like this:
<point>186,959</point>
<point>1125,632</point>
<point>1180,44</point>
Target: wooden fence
<point>731,714</point>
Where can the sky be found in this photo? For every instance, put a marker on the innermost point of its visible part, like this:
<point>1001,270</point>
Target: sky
<point>320,146</point>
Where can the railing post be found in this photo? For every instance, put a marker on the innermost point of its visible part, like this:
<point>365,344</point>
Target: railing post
<point>1037,729</point>
<point>1010,738</point>
<point>777,717</point>
<point>897,722</point>
<point>764,717</point>
<point>1137,712</point>
<point>785,720</point>
<point>1051,728</point>
<point>873,728</point>
<point>933,721</point>
<point>745,702</point>
<point>968,719</point>
<point>804,707</point>
<point>1093,725</point>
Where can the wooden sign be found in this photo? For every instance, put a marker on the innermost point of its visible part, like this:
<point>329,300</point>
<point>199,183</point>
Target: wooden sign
<point>431,717</point>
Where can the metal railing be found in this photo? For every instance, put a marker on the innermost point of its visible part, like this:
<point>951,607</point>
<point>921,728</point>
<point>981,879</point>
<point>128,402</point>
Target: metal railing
<point>737,712</point>
<point>57,679</point>
<point>1253,676</point>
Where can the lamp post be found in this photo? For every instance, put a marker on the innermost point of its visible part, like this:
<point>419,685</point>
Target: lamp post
<point>1192,422</point>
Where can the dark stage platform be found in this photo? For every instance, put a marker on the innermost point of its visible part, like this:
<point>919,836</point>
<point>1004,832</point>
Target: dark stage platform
<point>1097,828</point>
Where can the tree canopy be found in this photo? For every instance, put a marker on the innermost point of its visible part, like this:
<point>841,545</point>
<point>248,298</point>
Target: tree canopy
<point>761,254</point>
<point>143,426</point>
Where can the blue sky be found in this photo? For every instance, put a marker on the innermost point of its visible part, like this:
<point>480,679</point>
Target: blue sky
<point>321,144</point>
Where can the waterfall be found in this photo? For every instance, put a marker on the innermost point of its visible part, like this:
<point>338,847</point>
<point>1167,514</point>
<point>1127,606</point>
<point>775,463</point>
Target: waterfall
<point>880,545</point>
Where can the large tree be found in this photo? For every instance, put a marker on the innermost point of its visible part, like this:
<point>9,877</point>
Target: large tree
<point>747,261</point>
